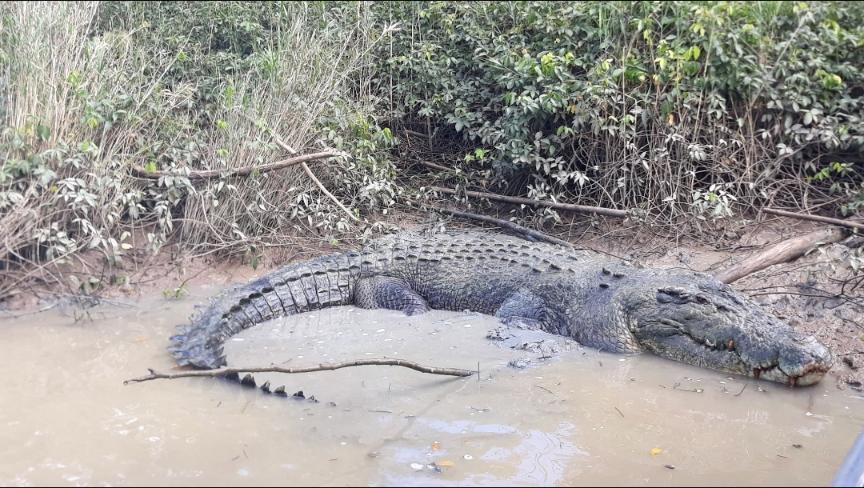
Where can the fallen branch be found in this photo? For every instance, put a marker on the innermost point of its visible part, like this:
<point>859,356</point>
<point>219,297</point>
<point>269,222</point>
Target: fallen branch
<point>506,225</point>
<point>222,372</point>
<point>609,212</point>
<point>312,176</point>
<point>140,172</point>
<point>780,253</point>
<point>323,189</point>
<point>816,218</point>
<point>430,164</point>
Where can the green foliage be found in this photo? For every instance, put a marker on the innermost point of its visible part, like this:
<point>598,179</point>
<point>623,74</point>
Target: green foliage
<point>89,90</point>
<point>642,104</point>
<point>680,108</point>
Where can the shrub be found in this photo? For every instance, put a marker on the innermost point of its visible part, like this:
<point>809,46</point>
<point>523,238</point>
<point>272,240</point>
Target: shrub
<point>650,105</point>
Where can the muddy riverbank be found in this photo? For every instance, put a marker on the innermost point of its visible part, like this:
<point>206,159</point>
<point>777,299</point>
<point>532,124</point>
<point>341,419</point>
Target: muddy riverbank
<point>579,417</point>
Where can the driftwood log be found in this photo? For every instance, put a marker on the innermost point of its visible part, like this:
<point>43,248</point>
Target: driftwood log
<point>781,252</point>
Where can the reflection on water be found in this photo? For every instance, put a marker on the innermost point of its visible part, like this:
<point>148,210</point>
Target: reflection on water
<point>582,417</point>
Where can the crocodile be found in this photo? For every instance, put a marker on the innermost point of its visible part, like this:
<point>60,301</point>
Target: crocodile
<point>601,302</point>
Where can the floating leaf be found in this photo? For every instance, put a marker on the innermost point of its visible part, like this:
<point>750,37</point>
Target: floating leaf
<point>655,451</point>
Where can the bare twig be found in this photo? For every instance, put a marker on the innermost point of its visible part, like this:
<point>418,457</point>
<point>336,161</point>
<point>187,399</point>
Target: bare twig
<point>609,212</point>
<point>506,225</point>
<point>433,165</point>
<point>816,218</point>
<point>140,172</point>
<point>329,195</point>
<point>222,372</point>
<point>312,177</point>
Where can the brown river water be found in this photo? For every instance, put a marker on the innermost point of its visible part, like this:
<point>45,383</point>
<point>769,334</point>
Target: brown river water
<point>577,418</point>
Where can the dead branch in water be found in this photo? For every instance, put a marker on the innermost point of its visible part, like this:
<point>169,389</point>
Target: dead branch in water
<point>816,218</point>
<point>222,372</point>
<point>506,225</point>
<point>780,253</point>
<point>140,172</point>
<point>609,212</point>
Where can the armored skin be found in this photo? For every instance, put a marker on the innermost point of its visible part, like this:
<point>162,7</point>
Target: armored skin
<point>600,302</point>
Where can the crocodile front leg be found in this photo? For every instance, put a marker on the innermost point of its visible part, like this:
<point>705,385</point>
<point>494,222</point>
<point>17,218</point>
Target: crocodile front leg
<point>523,309</point>
<point>390,293</point>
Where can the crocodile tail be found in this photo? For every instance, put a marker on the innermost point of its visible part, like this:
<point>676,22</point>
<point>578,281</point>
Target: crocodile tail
<point>323,282</point>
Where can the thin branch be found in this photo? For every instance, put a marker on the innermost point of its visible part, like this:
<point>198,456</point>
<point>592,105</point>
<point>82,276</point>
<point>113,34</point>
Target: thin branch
<point>506,225</point>
<point>816,218</point>
<point>536,203</point>
<point>329,195</point>
<point>140,172</point>
<point>222,372</point>
<point>433,165</point>
<point>312,176</point>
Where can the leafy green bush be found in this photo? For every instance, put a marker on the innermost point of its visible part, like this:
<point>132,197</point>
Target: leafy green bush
<point>91,90</point>
<point>650,105</point>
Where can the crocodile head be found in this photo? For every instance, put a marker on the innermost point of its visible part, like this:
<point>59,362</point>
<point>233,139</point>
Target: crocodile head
<point>701,321</point>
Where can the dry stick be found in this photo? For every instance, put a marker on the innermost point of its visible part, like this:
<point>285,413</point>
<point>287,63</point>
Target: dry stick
<point>329,195</point>
<point>816,218</point>
<point>537,203</point>
<point>780,253</point>
<point>507,225</point>
<point>214,373</point>
<point>140,172</point>
<point>312,176</point>
<point>433,165</point>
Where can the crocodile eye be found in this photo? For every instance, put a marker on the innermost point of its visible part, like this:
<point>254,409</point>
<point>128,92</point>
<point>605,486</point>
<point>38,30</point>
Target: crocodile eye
<point>672,295</point>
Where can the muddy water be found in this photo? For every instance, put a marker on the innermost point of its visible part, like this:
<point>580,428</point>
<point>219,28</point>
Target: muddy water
<point>580,417</point>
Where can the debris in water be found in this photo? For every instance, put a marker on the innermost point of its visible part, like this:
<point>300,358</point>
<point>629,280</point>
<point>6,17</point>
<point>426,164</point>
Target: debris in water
<point>417,466</point>
<point>797,446</point>
<point>436,446</point>
<point>669,466</point>
<point>655,451</point>
<point>468,457</point>
<point>518,363</point>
